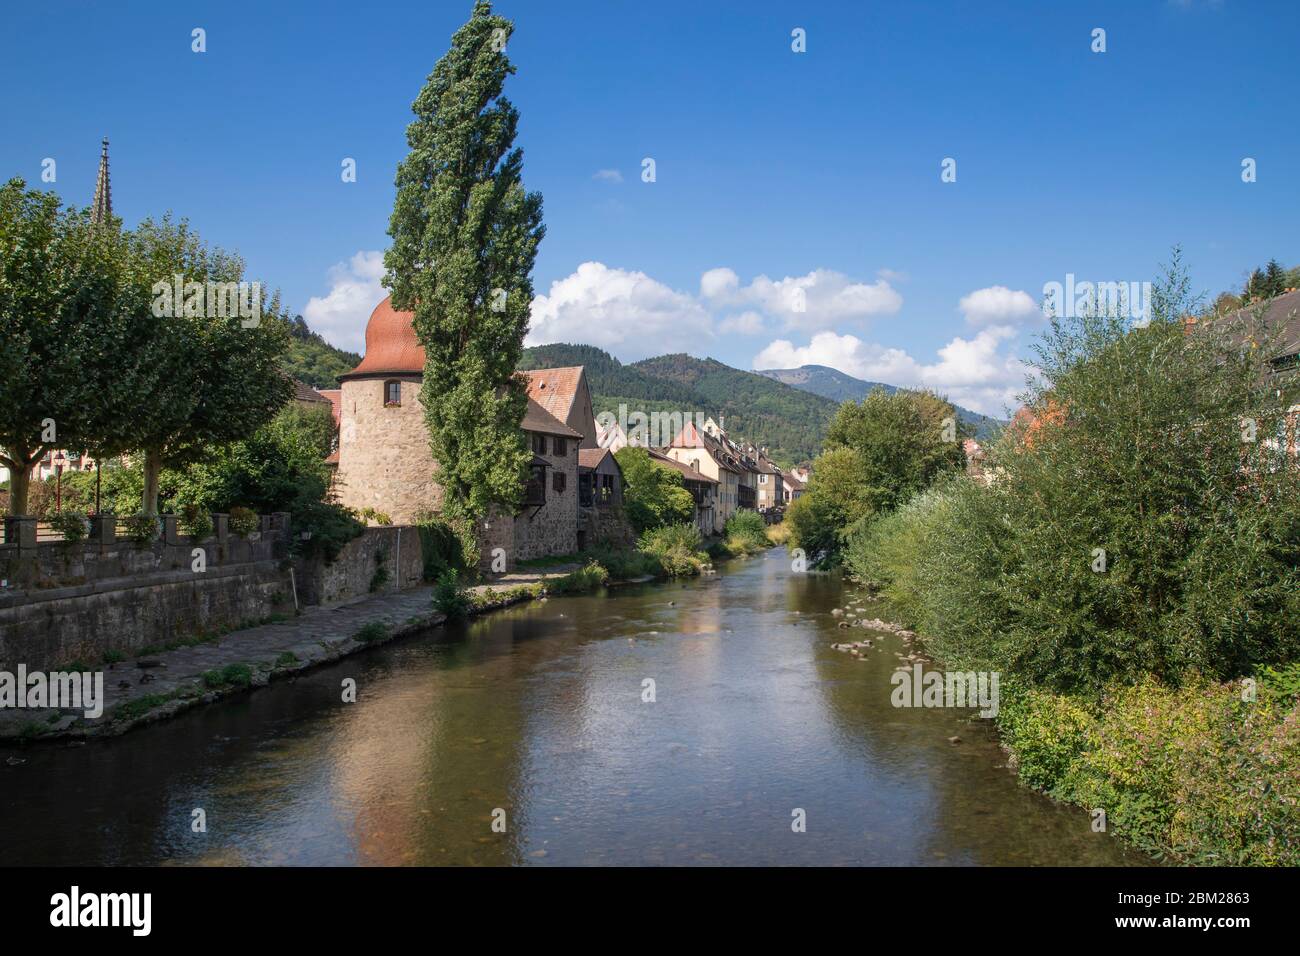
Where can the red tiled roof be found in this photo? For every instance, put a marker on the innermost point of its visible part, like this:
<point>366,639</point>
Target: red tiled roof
<point>592,457</point>
<point>391,345</point>
<point>690,473</point>
<point>335,395</point>
<point>538,419</point>
<point>554,388</point>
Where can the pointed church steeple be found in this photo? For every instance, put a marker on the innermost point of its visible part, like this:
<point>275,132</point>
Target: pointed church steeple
<point>101,209</point>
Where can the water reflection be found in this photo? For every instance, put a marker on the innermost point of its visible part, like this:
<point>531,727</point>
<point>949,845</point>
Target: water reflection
<point>537,711</point>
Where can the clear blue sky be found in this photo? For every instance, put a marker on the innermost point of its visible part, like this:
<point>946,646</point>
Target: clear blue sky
<point>821,168</point>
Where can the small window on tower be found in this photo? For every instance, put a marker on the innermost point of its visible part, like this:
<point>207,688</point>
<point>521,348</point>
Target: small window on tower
<point>392,393</point>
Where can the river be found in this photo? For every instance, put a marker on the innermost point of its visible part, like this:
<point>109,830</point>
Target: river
<point>537,711</point>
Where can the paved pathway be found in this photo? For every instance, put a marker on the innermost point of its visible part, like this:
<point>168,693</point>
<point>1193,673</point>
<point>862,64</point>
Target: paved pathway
<point>175,681</point>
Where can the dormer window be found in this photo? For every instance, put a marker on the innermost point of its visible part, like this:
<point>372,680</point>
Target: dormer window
<point>392,393</point>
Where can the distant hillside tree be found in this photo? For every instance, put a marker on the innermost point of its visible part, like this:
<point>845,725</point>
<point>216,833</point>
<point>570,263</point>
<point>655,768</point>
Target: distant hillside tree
<point>465,236</point>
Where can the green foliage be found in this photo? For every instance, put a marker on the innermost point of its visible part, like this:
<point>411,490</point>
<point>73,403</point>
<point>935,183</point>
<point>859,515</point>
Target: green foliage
<point>380,576</point>
<point>232,675</point>
<point>141,529</point>
<point>195,521</point>
<point>465,235</point>
<point>450,596</point>
<point>1193,773</point>
<point>677,549</point>
<point>587,578</point>
<point>745,533</point>
<point>626,565</point>
<point>309,358</point>
<point>71,298</point>
<point>655,495</point>
<point>440,547</point>
<point>217,380</point>
<point>70,524</point>
<point>369,633</point>
<point>243,521</point>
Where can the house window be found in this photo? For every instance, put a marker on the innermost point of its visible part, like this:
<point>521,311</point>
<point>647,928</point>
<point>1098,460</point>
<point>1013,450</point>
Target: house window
<point>539,444</point>
<point>535,489</point>
<point>392,393</point>
<point>559,446</point>
<point>762,479</point>
<point>557,481</point>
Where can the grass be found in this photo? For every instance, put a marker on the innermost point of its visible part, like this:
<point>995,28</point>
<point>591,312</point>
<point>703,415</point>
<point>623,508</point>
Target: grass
<point>232,675</point>
<point>374,631</point>
<point>133,709</point>
<point>587,578</point>
<point>286,658</point>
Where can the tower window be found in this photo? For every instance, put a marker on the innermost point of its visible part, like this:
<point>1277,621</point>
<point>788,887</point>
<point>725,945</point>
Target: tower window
<point>393,393</point>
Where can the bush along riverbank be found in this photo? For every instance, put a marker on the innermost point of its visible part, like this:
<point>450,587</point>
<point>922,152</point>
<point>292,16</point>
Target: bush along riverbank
<point>1132,571</point>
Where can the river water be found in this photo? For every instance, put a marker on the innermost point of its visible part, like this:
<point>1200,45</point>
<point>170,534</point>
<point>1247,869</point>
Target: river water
<point>537,711</point>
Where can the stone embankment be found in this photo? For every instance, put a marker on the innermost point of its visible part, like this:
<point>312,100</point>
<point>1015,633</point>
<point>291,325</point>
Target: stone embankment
<point>145,689</point>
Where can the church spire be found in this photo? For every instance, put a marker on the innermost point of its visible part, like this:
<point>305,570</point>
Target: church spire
<point>101,209</point>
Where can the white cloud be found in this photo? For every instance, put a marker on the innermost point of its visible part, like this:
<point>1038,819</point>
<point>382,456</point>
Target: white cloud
<point>341,314</point>
<point>892,275</point>
<point>626,312</point>
<point>719,283</point>
<point>976,373</point>
<point>998,305</point>
<point>607,176</point>
<point>822,297</point>
<point>748,322</point>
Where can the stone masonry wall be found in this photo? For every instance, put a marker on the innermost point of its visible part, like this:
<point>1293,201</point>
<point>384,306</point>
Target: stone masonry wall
<point>553,530</point>
<point>384,457</point>
<point>395,549</point>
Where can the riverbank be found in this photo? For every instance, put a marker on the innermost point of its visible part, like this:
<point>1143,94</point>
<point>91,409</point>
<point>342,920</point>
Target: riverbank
<point>157,686</point>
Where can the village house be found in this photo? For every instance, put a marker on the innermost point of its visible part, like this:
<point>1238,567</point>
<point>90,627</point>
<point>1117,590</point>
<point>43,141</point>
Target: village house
<point>706,454</point>
<point>771,480</point>
<point>792,487</point>
<point>384,461</point>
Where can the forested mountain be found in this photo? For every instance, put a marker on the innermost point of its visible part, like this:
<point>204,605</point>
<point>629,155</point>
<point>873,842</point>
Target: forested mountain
<point>313,360</point>
<point>789,422</point>
<point>834,384</point>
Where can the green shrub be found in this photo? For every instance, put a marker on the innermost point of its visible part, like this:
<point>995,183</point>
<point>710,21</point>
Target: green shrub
<point>745,533</point>
<point>450,596</point>
<point>677,548</point>
<point>243,521</point>
<point>195,521</point>
<point>232,675</point>
<point>71,524</point>
<point>1194,774</point>
<point>587,578</point>
<point>626,565</point>
<point>368,633</point>
<point>380,576</point>
<point>142,529</point>
<point>439,545</point>
<point>323,528</point>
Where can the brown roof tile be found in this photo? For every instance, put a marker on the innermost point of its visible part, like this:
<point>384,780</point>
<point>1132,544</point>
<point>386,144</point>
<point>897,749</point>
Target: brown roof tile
<point>554,388</point>
<point>538,419</point>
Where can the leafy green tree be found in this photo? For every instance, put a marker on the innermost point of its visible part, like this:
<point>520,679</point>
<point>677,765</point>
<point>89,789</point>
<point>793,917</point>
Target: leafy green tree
<point>1148,523</point>
<point>656,495</point>
<point>465,235</point>
<point>903,440</point>
<point>217,379</point>
<point>68,302</point>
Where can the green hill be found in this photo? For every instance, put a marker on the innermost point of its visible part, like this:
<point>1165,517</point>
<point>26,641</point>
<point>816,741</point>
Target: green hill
<point>313,360</point>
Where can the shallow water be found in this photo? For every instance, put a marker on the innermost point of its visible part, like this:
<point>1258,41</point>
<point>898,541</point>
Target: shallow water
<point>537,711</point>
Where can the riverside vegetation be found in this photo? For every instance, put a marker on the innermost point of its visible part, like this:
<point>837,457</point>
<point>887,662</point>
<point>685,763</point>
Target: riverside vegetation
<point>1133,572</point>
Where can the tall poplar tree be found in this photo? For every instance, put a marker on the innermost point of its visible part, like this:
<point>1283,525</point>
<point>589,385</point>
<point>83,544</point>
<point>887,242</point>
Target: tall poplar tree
<point>465,235</point>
